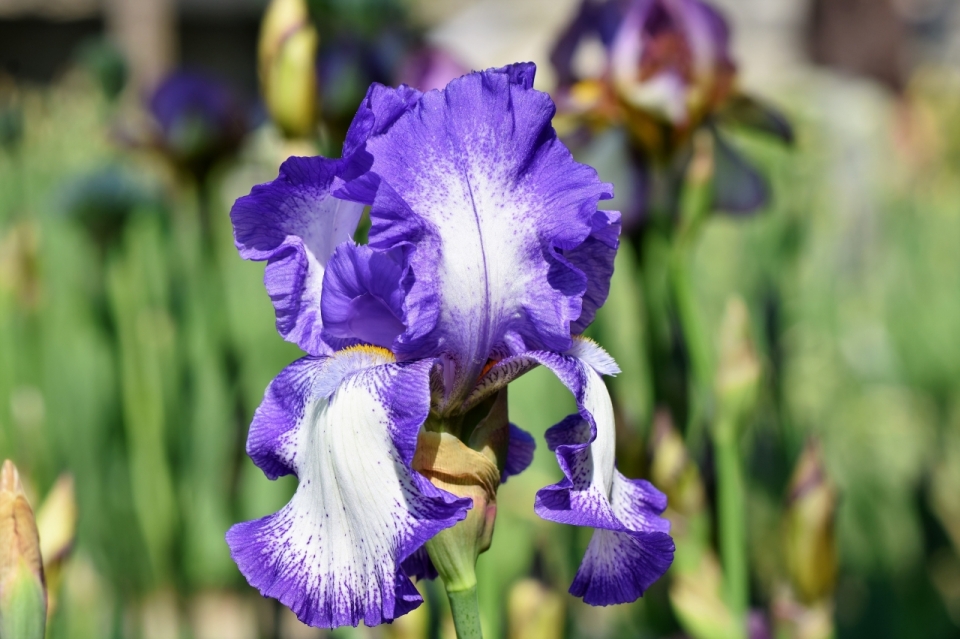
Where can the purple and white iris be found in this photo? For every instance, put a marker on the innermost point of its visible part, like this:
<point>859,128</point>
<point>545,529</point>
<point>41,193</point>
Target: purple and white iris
<point>487,256</point>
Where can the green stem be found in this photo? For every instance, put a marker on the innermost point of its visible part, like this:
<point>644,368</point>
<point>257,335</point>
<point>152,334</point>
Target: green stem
<point>694,335</point>
<point>731,517</point>
<point>466,613</point>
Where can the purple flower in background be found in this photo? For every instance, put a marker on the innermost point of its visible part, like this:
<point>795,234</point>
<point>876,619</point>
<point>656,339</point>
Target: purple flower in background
<point>199,120</point>
<point>670,60</point>
<point>666,72</point>
<point>487,256</point>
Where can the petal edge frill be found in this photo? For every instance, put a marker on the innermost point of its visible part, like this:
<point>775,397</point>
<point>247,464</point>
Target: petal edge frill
<point>346,425</point>
<point>475,180</point>
<point>631,547</point>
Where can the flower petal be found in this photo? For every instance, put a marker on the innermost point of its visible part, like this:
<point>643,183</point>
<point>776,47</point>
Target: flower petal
<point>475,179</point>
<point>594,258</point>
<point>519,453</point>
<point>297,221</point>
<point>631,547</point>
<point>347,426</point>
<point>363,297</point>
<point>294,223</point>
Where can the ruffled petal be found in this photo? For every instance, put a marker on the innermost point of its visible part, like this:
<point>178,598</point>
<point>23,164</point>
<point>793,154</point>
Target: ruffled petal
<point>347,426</point>
<point>594,258</point>
<point>475,179</point>
<point>631,547</point>
<point>363,296</point>
<point>294,224</point>
<point>297,221</point>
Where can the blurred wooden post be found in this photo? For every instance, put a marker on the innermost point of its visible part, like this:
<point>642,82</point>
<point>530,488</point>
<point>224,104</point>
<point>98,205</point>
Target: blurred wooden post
<point>145,30</point>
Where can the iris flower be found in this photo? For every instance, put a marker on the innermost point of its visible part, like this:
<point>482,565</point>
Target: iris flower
<point>199,121</point>
<point>487,256</point>
<point>666,71</point>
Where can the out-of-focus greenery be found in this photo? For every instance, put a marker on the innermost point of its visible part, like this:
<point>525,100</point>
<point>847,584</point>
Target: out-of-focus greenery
<point>134,350</point>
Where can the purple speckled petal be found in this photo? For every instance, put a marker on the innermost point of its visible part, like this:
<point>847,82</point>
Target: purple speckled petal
<point>362,295</point>
<point>297,221</point>
<point>594,258</point>
<point>379,110</point>
<point>294,224</point>
<point>419,565</point>
<point>474,178</point>
<point>347,426</point>
<point>519,453</point>
<point>631,547</point>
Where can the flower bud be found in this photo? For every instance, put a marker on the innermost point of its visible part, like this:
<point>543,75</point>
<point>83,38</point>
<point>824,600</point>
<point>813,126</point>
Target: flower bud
<point>466,471</point>
<point>57,521</point>
<point>809,542</point>
<point>57,525</point>
<point>738,372</point>
<point>23,599</point>
<point>534,611</point>
<point>673,470</point>
<point>287,54</point>
<point>449,464</point>
<point>20,263</point>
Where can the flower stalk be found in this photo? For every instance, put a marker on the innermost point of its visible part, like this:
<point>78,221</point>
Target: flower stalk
<point>737,382</point>
<point>695,206</point>
<point>465,610</point>
<point>731,510</point>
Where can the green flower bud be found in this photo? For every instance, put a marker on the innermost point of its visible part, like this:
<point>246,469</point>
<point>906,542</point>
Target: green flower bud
<point>57,525</point>
<point>738,373</point>
<point>674,471</point>
<point>466,471</point>
<point>57,521</point>
<point>697,599</point>
<point>809,541</point>
<point>287,53</point>
<point>23,598</point>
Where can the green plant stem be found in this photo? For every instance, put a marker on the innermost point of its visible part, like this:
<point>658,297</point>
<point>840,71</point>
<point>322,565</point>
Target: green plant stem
<point>466,613</point>
<point>694,209</point>
<point>697,344</point>
<point>731,516</point>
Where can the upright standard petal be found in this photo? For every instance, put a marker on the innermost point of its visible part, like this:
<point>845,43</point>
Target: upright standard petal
<point>294,224</point>
<point>631,547</point>
<point>297,221</point>
<point>475,179</point>
<point>347,426</point>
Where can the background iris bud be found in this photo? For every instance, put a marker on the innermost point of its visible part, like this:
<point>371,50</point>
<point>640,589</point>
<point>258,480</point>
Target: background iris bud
<point>738,372</point>
<point>534,611</point>
<point>809,542</point>
<point>23,598</point>
<point>287,59</point>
